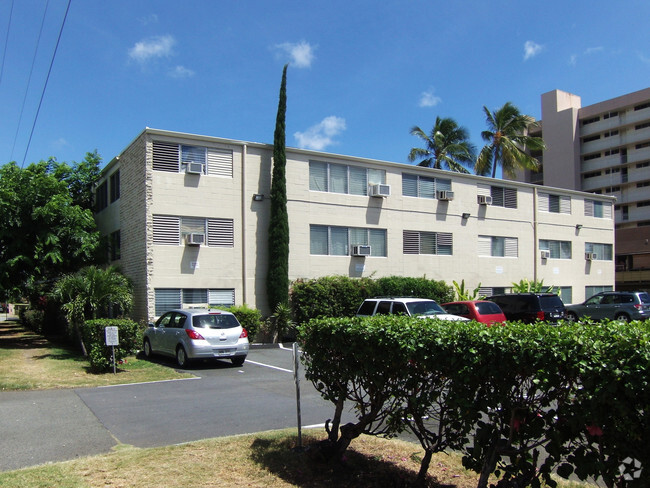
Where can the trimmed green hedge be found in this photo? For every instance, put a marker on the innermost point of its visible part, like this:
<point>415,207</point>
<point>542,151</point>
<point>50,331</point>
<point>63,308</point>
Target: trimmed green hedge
<point>94,337</point>
<point>578,392</point>
<point>249,318</point>
<point>340,296</point>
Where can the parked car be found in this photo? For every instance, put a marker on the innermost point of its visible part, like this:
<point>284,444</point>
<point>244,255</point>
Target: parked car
<point>197,334</point>
<point>480,310</point>
<point>413,307</point>
<point>618,305</point>
<point>530,307</point>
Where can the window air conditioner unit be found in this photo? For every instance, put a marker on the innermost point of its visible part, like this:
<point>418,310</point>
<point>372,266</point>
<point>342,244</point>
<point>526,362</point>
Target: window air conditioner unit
<point>484,200</point>
<point>194,168</point>
<point>545,254</point>
<point>360,250</point>
<point>195,239</point>
<point>379,190</point>
<point>590,256</point>
<point>447,195</point>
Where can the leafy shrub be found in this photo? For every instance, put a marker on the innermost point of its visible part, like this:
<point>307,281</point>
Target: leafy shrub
<point>249,318</point>
<point>33,319</point>
<point>340,296</point>
<point>579,391</point>
<point>94,336</point>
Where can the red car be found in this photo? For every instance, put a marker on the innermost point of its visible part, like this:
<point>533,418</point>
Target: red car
<point>480,310</point>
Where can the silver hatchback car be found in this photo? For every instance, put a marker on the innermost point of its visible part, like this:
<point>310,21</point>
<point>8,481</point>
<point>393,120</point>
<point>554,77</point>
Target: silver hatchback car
<point>197,334</point>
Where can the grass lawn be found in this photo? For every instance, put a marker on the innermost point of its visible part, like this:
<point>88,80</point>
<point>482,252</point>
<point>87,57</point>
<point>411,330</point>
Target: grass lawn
<point>262,460</point>
<point>28,361</point>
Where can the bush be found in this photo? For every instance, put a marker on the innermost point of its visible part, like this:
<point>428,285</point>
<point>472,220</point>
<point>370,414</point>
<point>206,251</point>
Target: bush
<point>33,319</point>
<point>340,296</point>
<point>94,337</point>
<point>249,318</point>
<point>579,391</point>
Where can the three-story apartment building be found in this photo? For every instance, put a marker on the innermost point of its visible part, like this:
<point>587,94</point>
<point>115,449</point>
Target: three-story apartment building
<point>186,218</point>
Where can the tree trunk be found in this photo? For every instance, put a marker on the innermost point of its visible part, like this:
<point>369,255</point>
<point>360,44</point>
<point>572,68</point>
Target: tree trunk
<point>77,331</point>
<point>424,468</point>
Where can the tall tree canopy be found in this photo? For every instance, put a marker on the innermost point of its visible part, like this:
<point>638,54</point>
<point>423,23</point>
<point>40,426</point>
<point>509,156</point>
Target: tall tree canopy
<point>447,146</point>
<point>277,282</point>
<point>508,142</point>
<point>47,226</point>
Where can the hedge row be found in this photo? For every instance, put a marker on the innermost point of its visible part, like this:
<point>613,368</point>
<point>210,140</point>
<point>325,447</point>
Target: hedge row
<point>518,401</point>
<point>340,296</point>
<point>99,354</point>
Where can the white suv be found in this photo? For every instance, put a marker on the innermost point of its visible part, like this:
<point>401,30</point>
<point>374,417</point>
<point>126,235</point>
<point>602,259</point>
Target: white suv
<point>413,307</point>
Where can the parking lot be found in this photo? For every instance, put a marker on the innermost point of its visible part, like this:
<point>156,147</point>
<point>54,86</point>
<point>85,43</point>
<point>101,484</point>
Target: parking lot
<point>221,400</point>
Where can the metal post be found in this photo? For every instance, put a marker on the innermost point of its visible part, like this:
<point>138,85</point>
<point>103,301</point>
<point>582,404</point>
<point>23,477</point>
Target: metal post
<point>113,348</point>
<point>297,380</point>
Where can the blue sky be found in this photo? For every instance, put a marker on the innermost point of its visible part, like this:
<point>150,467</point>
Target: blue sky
<point>361,73</point>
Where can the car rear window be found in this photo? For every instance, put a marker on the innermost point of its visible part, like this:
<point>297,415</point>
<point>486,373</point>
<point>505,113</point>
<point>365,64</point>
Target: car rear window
<point>214,321</point>
<point>644,297</point>
<point>550,302</point>
<point>487,308</point>
<point>367,307</point>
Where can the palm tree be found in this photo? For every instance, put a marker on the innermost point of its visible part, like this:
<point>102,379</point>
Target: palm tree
<point>508,142</point>
<point>447,146</point>
<point>91,291</point>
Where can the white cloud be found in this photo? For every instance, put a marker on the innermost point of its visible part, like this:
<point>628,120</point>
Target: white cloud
<point>429,99</point>
<point>149,19</point>
<point>573,59</point>
<point>181,72</point>
<point>321,135</point>
<point>593,50</point>
<point>301,54</point>
<point>154,47</point>
<point>531,49</point>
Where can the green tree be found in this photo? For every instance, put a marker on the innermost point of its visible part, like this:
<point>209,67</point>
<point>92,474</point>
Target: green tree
<point>91,293</point>
<point>44,233</point>
<point>447,146</point>
<point>508,142</point>
<point>277,282</point>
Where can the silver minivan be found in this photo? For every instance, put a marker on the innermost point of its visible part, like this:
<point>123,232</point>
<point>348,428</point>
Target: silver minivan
<point>197,334</point>
<point>617,305</point>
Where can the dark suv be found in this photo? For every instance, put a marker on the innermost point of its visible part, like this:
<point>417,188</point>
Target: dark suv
<point>530,307</point>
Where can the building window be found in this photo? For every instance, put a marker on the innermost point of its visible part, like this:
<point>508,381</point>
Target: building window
<point>610,133</point>
<point>591,156</point>
<point>503,197</point>
<point>645,203</point>
<point>642,106</point>
<point>423,186</point>
<point>486,291</point>
<point>101,197</point>
<point>593,174</point>
<point>115,186</point>
<point>603,251</point>
<point>174,298</point>
<point>642,126</point>
<point>170,230</point>
<point>497,246</point>
<point>601,210</point>
<point>590,291</point>
<point>565,293</point>
<point>557,249</point>
<point>416,242</point>
<point>174,158</point>
<point>610,114</point>
<point>591,138</point>
<point>114,246</point>
<point>327,240</point>
<point>643,145</point>
<point>341,178</point>
<point>590,121</point>
<point>554,203</point>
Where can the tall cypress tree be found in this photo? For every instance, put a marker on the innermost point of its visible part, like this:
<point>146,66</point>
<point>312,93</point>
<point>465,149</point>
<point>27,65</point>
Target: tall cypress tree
<point>277,280</point>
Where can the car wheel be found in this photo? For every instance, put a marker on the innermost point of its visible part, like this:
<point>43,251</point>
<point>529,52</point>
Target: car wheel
<point>238,361</point>
<point>181,357</point>
<point>623,317</point>
<point>146,347</point>
<point>572,317</point>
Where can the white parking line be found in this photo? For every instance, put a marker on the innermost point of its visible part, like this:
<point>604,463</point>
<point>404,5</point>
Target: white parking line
<point>150,382</point>
<point>269,366</point>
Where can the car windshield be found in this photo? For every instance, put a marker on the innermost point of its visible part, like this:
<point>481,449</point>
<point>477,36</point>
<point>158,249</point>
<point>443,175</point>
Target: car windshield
<point>214,321</point>
<point>551,302</point>
<point>428,307</point>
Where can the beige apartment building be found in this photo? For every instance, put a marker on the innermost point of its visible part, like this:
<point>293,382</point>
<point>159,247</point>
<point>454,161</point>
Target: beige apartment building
<point>186,218</point>
<point>604,149</point>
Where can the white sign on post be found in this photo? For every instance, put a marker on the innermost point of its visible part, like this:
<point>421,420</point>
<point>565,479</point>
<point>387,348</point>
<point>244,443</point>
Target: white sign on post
<point>112,338</point>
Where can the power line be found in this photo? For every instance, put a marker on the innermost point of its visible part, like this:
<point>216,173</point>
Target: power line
<point>29,80</point>
<point>46,80</point>
<point>4,52</point>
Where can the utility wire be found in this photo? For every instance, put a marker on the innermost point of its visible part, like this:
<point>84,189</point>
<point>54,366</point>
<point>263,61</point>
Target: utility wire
<point>46,80</point>
<point>4,51</point>
<point>29,80</point>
